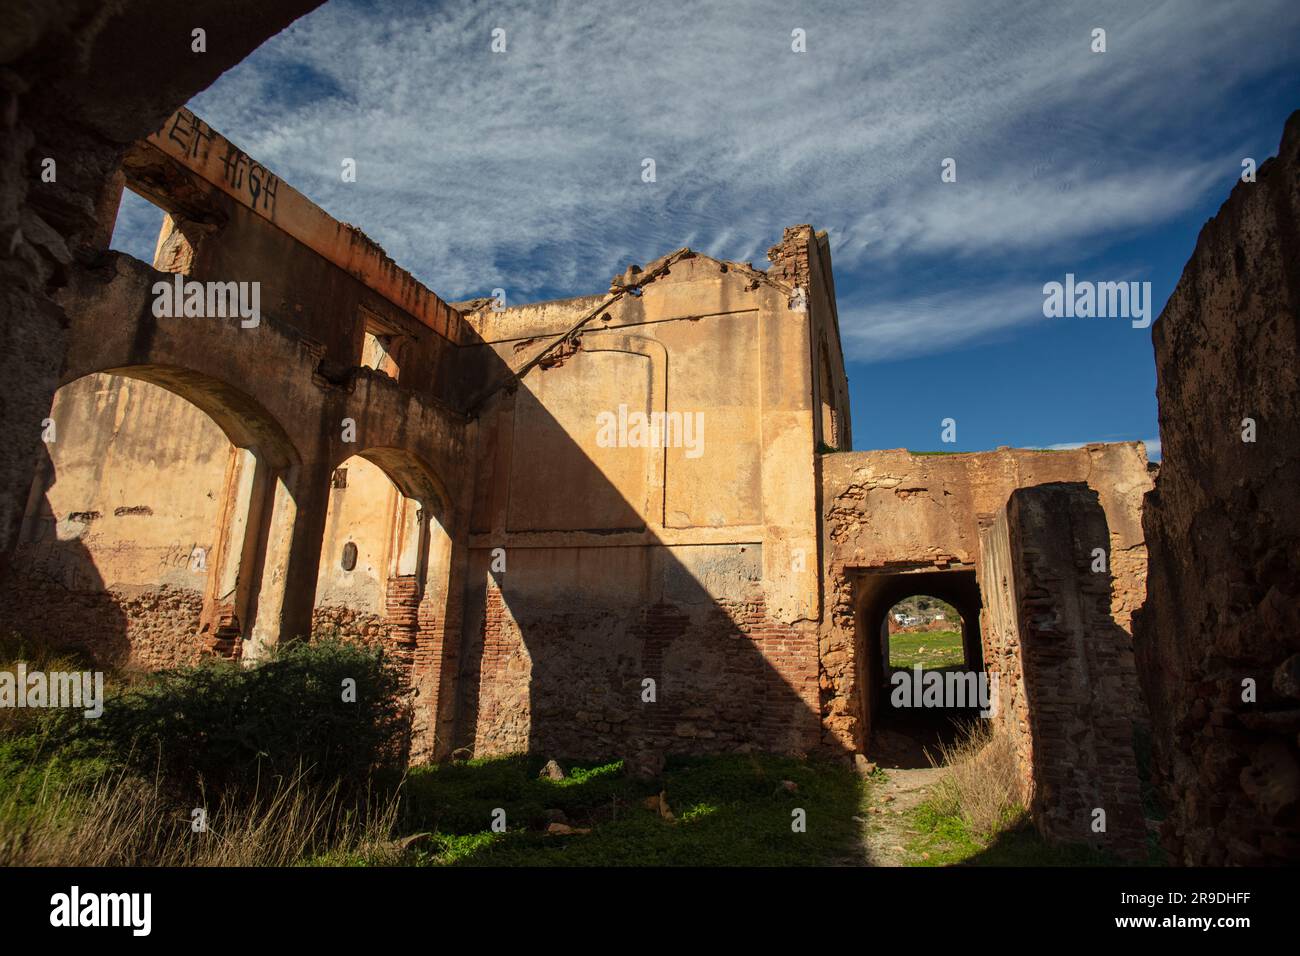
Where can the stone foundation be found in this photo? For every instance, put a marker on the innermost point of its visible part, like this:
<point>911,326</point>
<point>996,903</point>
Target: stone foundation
<point>146,629</point>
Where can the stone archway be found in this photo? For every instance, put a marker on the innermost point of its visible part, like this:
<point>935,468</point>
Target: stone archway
<point>152,514</point>
<point>876,591</point>
<point>388,576</point>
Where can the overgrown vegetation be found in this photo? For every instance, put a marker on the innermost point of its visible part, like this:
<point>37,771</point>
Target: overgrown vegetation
<point>273,765</point>
<point>270,765</point>
<point>980,784</point>
<point>211,764</point>
<point>714,811</point>
<point>120,819</point>
<point>328,712</point>
<point>37,655</point>
<point>974,816</point>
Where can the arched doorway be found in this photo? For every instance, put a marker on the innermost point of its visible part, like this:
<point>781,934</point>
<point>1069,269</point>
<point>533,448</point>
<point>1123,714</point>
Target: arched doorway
<point>145,530</point>
<point>920,659</point>
<point>385,570</point>
<point>922,631</point>
<point>374,559</point>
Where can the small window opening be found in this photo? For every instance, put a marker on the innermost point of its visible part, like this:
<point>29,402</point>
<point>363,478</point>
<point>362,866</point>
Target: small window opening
<point>380,346</point>
<point>138,228</point>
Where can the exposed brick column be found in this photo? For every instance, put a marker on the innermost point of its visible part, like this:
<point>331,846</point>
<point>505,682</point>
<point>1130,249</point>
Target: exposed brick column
<point>1064,668</point>
<point>436,670</point>
<point>220,632</point>
<point>402,617</point>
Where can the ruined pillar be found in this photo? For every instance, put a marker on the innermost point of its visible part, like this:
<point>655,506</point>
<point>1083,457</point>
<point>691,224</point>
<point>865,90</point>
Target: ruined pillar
<point>405,579</point>
<point>235,557</point>
<point>295,525</point>
<point>1063,667</point>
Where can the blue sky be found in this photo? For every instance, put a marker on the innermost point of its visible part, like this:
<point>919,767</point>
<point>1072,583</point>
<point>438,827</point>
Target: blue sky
<point>522,169</point>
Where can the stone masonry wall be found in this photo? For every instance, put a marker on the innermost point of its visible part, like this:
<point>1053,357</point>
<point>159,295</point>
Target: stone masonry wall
<point>1218,640</point>
<point>896,509</point>
<point>1066,679</point>
<point>727,679</point>
<point>136,628</point>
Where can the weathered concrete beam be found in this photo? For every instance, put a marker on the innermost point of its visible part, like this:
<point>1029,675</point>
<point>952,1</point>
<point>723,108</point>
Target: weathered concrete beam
<point>191,144</point>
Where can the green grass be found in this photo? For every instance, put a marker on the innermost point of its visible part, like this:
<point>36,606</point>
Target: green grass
<point>927,648</point>
<point>729,811</point>
<point>946,839</point>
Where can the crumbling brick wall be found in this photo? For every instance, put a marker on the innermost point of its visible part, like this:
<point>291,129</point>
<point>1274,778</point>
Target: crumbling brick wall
<point>1218,640</point>
<point>884,509</point>
<point>1066,683</point>
<point>435,670</point>
<point>727,678</point>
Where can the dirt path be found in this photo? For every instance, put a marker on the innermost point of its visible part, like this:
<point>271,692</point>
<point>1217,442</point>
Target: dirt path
<point>886,830</point>
<point>903,782</point>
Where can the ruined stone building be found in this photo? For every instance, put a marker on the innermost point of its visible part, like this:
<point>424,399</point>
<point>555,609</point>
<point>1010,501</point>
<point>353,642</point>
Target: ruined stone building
<point>629,522</point>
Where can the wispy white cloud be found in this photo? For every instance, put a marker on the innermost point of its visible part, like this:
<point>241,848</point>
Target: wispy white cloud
<point>913,325</point>
<point>523,169</point>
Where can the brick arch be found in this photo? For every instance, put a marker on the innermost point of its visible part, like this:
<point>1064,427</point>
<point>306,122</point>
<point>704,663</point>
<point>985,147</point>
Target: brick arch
<point>416,440</point>
<point>876,590</point>
<point>232,547</point>
<point>254,382</point>
<point>245,422</point>
<point>258,384</point>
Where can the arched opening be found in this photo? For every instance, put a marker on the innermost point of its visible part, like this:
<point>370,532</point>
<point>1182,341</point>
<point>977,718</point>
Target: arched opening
<point>144,535</point>
<point>920,660</point>
<point>385,555</point>
<point>385,577</point>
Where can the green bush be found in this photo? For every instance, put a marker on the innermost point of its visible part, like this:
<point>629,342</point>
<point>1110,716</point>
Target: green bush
<point>217,725</point>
